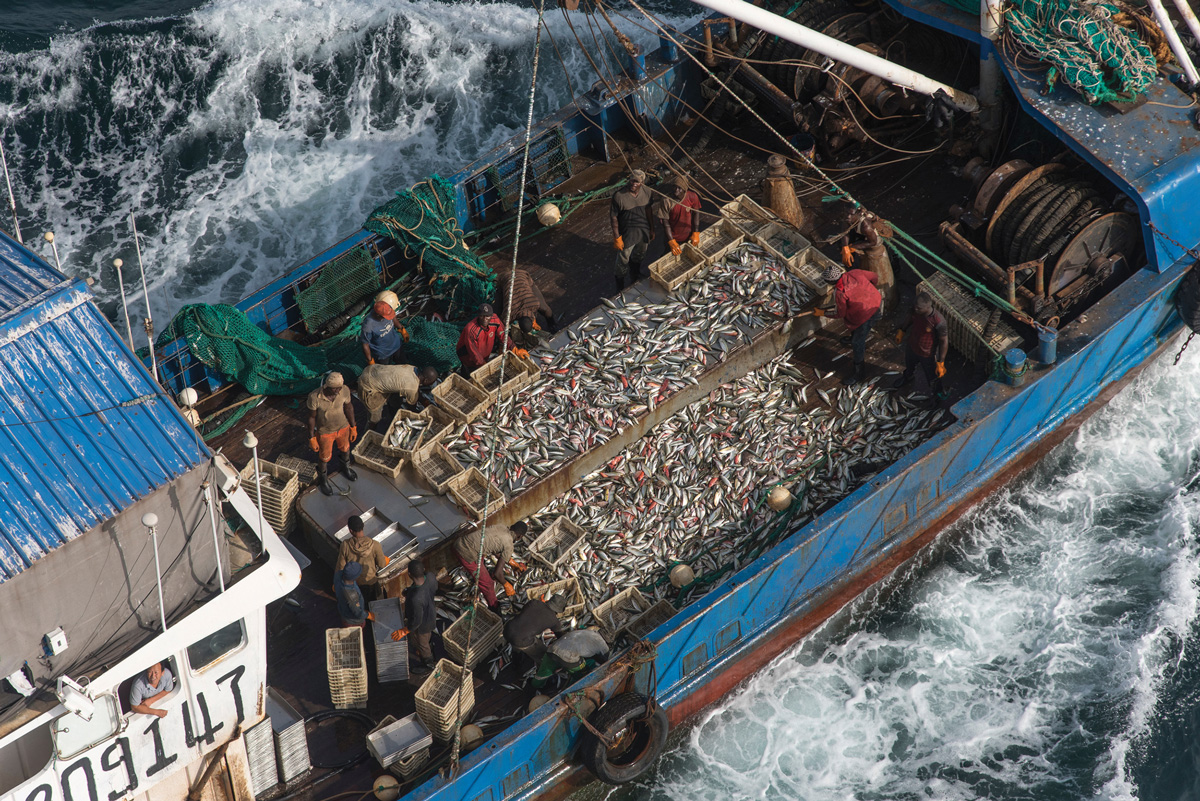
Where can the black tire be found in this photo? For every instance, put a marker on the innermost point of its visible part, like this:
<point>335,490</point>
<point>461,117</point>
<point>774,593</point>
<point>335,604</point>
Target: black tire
<point>637,739</point>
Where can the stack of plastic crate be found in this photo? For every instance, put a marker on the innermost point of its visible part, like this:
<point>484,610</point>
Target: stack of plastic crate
<point>485,636</point>
<point>280,487</point>
<point>346,664</point>
<point>438,699</point>
<point>396,742</point>
<point>260,756</point>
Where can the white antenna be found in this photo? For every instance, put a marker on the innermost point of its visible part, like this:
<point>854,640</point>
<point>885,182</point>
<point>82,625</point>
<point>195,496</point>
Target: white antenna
<point>118,264</point>
<point>12,201</point>
<point>148,323</point>
<point>49,237</point>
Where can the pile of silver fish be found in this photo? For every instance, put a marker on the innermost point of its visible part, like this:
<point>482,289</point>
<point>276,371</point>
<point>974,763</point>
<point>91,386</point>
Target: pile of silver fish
<point>620,365</point>
<point>406,433</point>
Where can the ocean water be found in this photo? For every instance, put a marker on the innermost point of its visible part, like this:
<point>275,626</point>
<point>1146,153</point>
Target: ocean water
<point>1048,652</point>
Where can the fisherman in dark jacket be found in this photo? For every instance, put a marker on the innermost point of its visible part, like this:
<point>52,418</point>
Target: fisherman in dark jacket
<point>527,302</point>
<point>420,614</point>
<point>928,343</point>
<point>524,632</point>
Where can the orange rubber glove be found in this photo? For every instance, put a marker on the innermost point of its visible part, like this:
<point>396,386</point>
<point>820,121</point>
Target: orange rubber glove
<point>536,327</point>
<point>508,589</point>
<point>940,369</point>
<point>518,566</point>
<point>353,433</point>
<point>818,312</point>
<point>696,238</point>
<point>315,444</point>
<point>520,352</point>
<point>847,256</point>
<point>370,362</point>
<point>387,560</point>
<point>371,616</point>
<point>403,332</point>
<point>399,635</point>
<point>674,246</point>
<point>899,337</point>
<point>618,244</point>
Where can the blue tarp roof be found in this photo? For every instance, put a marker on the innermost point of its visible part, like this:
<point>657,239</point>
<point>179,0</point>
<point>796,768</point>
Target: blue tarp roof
<point>84,430</point>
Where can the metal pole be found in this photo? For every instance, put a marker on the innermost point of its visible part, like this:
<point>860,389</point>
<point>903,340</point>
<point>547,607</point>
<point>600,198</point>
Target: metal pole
<point>150,521</point>
<point>118,264</point>
<point>1189,17</point>
<point>49,237</point>
<point>212,518</point>
<point>1168,28</point>
<point>12,201</point>
<point>148,324</point>
<point>250,441</point>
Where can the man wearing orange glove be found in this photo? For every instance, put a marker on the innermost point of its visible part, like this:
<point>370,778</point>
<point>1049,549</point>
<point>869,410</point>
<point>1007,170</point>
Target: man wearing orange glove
<point>497,544</point>
<point>381,337</point>
<point>350,604</point>
<point>358,547</point>
<point>482,336</point>
<point>420,614</point>
<point>632,227</point>
<point>857,304</point>
<point>928,343</point>
<point>527,302</point>
<point>331,422</point>
<point>677,210</point>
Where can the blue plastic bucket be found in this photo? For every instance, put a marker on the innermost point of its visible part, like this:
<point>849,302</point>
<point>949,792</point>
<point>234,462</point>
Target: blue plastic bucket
<point>805,143</point>
<point>1015,366</point>
<point>1047,346</point>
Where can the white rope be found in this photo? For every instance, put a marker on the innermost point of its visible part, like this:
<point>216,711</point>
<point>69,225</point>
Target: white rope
<point>491,462</point>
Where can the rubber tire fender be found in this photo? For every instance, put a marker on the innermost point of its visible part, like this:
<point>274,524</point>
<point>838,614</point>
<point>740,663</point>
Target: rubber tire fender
<point>639,740</point>
<point>1187,300</point>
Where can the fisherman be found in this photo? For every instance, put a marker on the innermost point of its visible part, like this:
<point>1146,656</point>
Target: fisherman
<point>526,631</point>
<point>380,380</point>
<point>857,303</point>
<point>678,212</point>
<point>330,422</point>
<point>350,604</point>
<point>481,337</point>
<point>928,343</point>
<point>420,614</point>
<point>381,337</point>
<point>527,301</point>
<point>497,544</point>
<point>874,253</point>
<point>632,227</point>
<point>573,652</point>
<point>148,688</point>
<point>358,547</point>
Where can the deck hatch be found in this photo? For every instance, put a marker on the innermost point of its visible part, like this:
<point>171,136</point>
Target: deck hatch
<point>514,781</point>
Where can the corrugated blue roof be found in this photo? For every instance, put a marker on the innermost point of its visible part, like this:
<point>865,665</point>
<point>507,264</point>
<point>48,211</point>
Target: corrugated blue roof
<point>84,430</point>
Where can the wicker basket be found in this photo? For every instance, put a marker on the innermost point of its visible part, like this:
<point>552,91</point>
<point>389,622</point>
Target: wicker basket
<point>671,271</point>
<point>470,487</point>
<point>436,465</point>
<point>487,377</point>
<point>614,615</point>
<point>346,664</point>
<point>488,633</point>
<point>370,453</point>
<point>438,699</point>
<point>462,399</point>
<point>404,417</point>
<point>554,545</point>
<point>576,603</point>
<point>651,619</point>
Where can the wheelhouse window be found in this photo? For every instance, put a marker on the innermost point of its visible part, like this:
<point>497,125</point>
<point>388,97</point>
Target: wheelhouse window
<point>73,735</point>
<point>216,646</point>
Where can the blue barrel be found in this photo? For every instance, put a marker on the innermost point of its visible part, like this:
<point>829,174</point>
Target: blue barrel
<point>805,143</point>
<point>1015,366</point>
<point>1047,346</point>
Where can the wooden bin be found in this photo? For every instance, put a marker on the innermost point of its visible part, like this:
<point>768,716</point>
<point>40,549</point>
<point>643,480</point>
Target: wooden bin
<point>404,417</point>
<point>461,398</point>
<point>614,615</point>
<point>576,603</point>
<point>487,636</point>
<point>651,619</point>
<point>671,271</point>
<point>346,664</point>
<point>487,377</point>
<point>436,465</point>
<point>554,545</point>
<point>370,453</point>
<point>437,699</point>
<point>468,489</point>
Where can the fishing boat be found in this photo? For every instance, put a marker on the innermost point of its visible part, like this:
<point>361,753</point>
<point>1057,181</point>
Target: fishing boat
<point>1049,223</point>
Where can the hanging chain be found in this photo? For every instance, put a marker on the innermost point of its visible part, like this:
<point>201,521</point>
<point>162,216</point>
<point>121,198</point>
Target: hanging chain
<point>1186,342</point>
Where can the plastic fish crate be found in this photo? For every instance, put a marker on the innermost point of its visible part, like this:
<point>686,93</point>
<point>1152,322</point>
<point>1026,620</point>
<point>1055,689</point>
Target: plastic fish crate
<point>470,487</point>
<point>576,603</point>
<point>967,319</point>
<point>615,614</point>
<point>487,377</point>
<point>554,545</point>
<point>405,768</point>
<point>305,470</point>
<point>530,367</point>
<point>438,698</point>
<point>782,241</point>
<point>441,425</point>
<point>436,465</point>
<point>651,619</point>
<point>403,416</point>
<point>717,241</point>
<point>391,657</point>
<point>488,633</point>
<point>291,737</point>
<point>747,215</point>
<point>346,664</point>
<point>280,486</point>
<point>808,265</point>
<point>370,453</point>
<point>671,271</point>
<point>393,740</point>
<point>260,756</point>
<point>462,399</point>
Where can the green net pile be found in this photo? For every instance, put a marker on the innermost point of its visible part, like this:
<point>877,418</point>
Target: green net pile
<point>1097,57</point>
<point>422,220</point>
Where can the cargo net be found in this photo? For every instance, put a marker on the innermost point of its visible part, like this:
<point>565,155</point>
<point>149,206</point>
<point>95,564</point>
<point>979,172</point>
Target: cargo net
<point>422,220</point>
<point>1092,46</point>
<point>343,282</point>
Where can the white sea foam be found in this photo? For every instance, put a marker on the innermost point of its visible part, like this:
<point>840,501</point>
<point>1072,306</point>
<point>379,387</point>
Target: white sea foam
<point>249,136</point>
<point>1023,664</point>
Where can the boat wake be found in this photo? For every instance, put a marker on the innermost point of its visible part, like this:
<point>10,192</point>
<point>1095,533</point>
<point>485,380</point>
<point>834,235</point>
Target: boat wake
<point>1024,662</point>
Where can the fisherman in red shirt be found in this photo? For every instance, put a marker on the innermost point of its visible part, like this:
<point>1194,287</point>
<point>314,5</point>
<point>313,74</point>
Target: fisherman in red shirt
<point>928,342</point>
<point>858,303</point>
<point>480,338</point>
<point>678,213</point>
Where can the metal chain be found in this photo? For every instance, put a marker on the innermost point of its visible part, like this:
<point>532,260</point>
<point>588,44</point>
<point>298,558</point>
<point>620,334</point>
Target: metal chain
<point>1186,342</point>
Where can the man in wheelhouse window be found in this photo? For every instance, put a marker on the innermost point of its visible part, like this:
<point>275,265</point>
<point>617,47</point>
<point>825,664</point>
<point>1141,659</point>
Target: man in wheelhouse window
<point>149,688</point>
